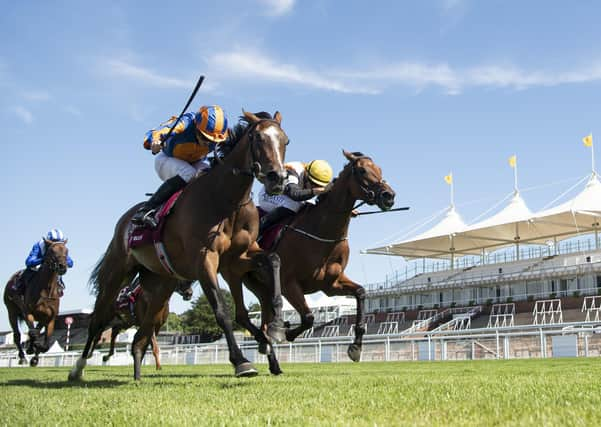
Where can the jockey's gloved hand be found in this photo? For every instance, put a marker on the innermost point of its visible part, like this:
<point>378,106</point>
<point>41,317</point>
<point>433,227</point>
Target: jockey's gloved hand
<point>156,146</point>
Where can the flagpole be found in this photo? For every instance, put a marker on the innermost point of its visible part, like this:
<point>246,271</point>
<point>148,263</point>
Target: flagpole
<point>452,189</point>
<point>593,154</point>
<point>515,176</point>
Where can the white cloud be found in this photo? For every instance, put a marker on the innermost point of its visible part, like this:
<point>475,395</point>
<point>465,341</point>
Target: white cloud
<point>278,7</point>
<point>245,65</point>
<point>73,110</point>
<point>37,96</point>
<point>120,68</point>
<point>23,113</point>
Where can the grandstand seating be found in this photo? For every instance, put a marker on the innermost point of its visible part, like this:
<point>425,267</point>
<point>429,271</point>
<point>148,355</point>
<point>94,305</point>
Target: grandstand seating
<point>501,315</point>
<point>547,311</point>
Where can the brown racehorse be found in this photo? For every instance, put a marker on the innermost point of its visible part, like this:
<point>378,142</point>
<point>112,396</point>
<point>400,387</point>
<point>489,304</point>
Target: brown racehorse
<point>125,320</point>
<point>211,229</point>
<point>319,234</point>
<point>41,301</point>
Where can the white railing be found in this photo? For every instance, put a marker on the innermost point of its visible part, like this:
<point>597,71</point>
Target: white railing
<point>506,343</point>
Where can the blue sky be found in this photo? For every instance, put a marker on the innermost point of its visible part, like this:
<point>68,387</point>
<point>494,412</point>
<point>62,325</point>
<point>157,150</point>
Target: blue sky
<point>422,87</point>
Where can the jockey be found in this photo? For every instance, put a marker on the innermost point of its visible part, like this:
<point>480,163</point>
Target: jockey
<point>304,181</point>
<point>36,257</point>
<point>182,155</point>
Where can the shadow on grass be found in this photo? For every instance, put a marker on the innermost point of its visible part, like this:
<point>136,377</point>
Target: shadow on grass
<point>65,384</point>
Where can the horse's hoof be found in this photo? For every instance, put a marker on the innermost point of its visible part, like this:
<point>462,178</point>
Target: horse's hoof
<point>246,369</point>
<point>265,348</point>
<point>276,371</point>
<point>34,361</point>
<point>22,361</point>
<point>289,336</point>
<point>74,376</point>
<point>354,352</point>
<point>277,332</point>
<point>105,358</point>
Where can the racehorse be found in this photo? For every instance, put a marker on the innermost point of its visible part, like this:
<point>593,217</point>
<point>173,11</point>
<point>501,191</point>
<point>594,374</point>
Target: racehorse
<point>41,301</point>
<point>319,232</point>
<point>126,320</point>
<point>209,230</point>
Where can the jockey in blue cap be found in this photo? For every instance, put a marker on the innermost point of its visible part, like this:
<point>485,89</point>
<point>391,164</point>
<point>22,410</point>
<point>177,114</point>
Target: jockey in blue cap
<point>36,257</point>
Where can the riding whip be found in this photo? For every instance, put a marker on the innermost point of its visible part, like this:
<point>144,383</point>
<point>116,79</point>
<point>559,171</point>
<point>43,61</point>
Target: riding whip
<point>406,208</point>
<point>200,80</point>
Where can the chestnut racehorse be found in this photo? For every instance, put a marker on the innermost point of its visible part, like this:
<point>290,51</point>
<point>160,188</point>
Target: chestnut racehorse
<point>314,249</point>
<point>210,230</point>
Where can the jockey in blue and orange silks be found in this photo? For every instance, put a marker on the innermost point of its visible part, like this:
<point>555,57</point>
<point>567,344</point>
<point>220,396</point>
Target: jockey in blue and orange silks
<point>181,156</point>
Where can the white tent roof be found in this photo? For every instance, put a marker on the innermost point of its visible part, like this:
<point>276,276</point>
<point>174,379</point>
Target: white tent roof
<point>436,242</point>
<point>514,223</point>
<point>576,216</point>
<point>55,348</point>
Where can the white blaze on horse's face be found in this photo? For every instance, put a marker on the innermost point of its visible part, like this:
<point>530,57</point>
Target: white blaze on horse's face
<point>273,134</point>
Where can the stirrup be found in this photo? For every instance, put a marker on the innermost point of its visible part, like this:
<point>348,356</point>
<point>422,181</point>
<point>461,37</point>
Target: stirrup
<point>148,219</point>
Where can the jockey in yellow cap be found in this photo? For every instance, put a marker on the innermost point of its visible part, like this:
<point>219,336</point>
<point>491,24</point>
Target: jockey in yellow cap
<point>181,156</point>
<point>305,181</point>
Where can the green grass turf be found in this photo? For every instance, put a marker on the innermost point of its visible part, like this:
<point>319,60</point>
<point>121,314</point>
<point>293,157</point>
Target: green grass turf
<point>553,392</point>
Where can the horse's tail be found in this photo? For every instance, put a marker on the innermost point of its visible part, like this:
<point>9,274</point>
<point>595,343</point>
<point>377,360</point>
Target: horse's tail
<point>110,270</point>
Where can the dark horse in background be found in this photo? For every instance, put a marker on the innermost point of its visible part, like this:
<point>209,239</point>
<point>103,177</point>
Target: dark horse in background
<point>314,249</point>
<point>41,301</point>
<point>124,319</point>
<point>210,230</point>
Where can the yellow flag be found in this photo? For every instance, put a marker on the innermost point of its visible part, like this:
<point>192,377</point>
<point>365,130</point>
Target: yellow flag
<point>449,179</point>
<point>513,161</point>
<point>588,140</point>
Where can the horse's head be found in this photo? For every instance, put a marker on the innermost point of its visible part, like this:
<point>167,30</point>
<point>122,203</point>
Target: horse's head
<point>185,290</point>
<point>268,143</point>
<point>367,183</point>
<point>56,256</point>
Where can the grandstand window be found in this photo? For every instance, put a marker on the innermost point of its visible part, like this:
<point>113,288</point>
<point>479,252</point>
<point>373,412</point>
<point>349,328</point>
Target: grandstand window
<point>598,282</point>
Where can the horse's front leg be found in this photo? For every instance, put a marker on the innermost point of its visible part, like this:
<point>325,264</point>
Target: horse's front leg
<point>207,276</point>
<point>156,352</point>
<point>345,286</point>
<point>268,266</point>
<point>14,324</point>
<point>265,347</point>
<point>296,297</point>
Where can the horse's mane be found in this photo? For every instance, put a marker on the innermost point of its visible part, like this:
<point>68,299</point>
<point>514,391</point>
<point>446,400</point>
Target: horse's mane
<point>326,193</point>
<point>237,132</point>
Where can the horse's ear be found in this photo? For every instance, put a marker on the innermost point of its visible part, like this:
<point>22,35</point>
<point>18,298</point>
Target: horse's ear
<point>278,117</point>
<point>65,241</point>
<point>250,117</point>
<point>48,242</point>
<point>350,156</point>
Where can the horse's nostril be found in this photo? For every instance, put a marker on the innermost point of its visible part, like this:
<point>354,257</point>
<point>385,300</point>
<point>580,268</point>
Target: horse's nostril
<point>387,195</point>
<point>275,177</point>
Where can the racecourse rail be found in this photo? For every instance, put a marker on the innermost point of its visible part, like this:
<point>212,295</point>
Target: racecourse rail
<point>578,339</point>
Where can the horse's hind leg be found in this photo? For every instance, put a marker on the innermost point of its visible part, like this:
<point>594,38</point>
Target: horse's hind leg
<point>156,352</point>
<point>114,333</point>
<point>157,290</point>
<point>14,324</point>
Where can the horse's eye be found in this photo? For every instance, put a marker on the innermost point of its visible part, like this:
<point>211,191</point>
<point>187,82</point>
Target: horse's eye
<point>361,171</point>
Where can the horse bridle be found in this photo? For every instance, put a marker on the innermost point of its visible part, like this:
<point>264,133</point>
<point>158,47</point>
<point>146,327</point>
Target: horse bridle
<point>254,169</point>
<point>52,262</point>
<point>371,191</point>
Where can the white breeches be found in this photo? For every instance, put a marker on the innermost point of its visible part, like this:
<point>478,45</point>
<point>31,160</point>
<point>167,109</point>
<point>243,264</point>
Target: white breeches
<point>269,203</point>
<point>167,167</point>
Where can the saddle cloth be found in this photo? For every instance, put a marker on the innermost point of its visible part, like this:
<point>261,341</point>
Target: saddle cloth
<point>272,234</point>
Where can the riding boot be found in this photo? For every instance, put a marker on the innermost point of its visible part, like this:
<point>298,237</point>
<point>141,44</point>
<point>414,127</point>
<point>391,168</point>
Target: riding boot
<point>145,215</point>
<point>274,217</point>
